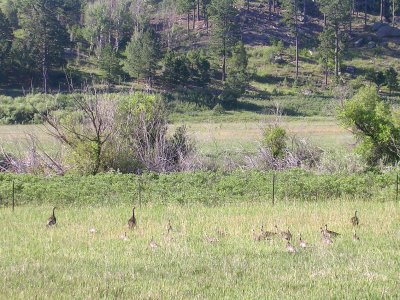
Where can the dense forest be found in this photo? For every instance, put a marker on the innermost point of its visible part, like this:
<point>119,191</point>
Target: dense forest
<point>52,45</point>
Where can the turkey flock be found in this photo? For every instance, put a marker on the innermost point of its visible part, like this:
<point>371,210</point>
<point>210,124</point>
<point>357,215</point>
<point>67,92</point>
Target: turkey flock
<point>327,235</point>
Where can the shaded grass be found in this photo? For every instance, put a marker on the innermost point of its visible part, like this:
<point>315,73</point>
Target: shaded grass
<point>68,260</point>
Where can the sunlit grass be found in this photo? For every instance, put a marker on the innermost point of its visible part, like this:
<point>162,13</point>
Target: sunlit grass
<point>211,136</point>
<point>69,260</point>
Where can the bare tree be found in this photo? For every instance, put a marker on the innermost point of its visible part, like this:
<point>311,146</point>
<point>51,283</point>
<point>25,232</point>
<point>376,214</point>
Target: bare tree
<point>87,131</point>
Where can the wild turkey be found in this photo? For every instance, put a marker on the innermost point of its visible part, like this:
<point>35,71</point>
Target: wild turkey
<point>290,248</point>
<point>330,233</point>
<point>153,245</point>
<point>324,238</point>
<point>132,220</point>
<point>52,220</point>
<point>168,227</point>
<point>268,234</point>
<point>211,239</point>
<point>354,220</point>
<point>257,236</point>
<point>286,235</point>
<point>302,243</point>
<point>355,236</point>
<point>123,237</point>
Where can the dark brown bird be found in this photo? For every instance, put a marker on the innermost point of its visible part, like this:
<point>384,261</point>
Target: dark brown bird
<point>168,227</point>
<point>324,238</point>
<point>286,235</point>
<point>52,220</point>
<point>354,220</point>
<point>258,236</point>
<point>330,233</point>
<point>132,220</point>
<point>355,236</point>
<point>267,234</point>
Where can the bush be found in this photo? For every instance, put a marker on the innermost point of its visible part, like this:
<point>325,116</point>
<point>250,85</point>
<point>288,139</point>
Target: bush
<point>374,124</point>
<point>275,138</point>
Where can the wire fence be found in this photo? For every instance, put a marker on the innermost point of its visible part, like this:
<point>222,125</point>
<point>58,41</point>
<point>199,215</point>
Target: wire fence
<point>206,188</point>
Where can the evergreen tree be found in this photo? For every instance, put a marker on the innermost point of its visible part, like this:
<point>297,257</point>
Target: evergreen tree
<point>391,79</point>
<point>199,67</point>
<point>225,30</point>
<point>377,77</point>
<point>109,63</point>
<point>337,16</point>
<point>186,6</point>
<point>326,52</point>
<point>176,68</point>
<point>290,16</point>
<point>238,78</point>
<point>43,35</point>
<point>5,41</point>
<point>142,55</point>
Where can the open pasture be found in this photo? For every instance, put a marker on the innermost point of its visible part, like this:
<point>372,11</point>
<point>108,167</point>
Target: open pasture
<point>43,263</point>
<point>211,136</point>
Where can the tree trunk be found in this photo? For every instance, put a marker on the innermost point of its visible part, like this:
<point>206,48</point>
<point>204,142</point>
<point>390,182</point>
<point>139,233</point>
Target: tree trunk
<point>44,72</point>
<point>336,51</point>
<point>188,22</point>
<point>269,9</point>
<point>297,39</point>
<point>97,158</point>
<point>198,10</point>
<point>326,76</point>
<point>194,18</point>
<point>224,62</point>
<point>350,23</point>
<point>44,67</point>
<point>304,11</point>
<point>365,12</point>
<point>297,55</point>
<point>381,13</point>
<point>248,5</point>
<point>393,15</point>
<point>324,20</point>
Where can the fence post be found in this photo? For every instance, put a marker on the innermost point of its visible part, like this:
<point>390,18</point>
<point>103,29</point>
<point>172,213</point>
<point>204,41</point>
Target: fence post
<point>397,187</point>
<point>13,195</point>
<point>273,188</point>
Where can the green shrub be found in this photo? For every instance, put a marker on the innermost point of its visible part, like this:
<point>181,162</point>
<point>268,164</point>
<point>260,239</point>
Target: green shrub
<point>275,138</point>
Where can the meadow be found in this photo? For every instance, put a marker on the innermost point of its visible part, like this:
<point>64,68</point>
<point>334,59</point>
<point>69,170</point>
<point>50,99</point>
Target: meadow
<point>43,263</point>
<point>213,135</point>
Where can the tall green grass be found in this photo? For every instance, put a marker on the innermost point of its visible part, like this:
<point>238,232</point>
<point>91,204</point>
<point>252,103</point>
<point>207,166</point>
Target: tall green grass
<point>206,187</point>
<point>70,262</point>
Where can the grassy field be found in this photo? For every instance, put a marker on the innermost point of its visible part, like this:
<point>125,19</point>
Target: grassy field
<point>214,136</point>
<point>69,260</point>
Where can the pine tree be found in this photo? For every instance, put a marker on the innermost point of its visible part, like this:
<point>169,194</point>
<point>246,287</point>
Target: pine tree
<point>109,63</point>
<point>290,16</point>
<point>225,30</point>
<point>142,55</point>
<point>326,51</point>
<point>337,16</point>
<point>391,79</point>
<point>186,6</point>
<point>5,41</point>
<point>43,35</point>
